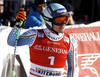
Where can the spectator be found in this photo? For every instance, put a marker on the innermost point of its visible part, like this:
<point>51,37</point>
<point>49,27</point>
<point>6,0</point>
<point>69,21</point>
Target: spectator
<point>70,12</point>
<point>8,19</point>
<point>49,47</point>
<point>1,10</point>
<point>35,17</point>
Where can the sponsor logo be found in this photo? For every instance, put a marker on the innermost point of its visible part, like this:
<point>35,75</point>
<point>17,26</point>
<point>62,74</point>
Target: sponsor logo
<point>92,36</point>
<point>32,70</point>
<point>50,49</point>
<point>48,72</point>
<point>90,63</point>
<point>76,60</point>
<point>61,11</point>
<point>53,38</point>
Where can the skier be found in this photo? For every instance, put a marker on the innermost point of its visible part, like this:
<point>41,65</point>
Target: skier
<point>50,48</point>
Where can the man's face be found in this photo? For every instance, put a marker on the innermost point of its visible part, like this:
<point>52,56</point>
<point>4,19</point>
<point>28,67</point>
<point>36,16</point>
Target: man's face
<point>70,14</point>
<point>41,8</point>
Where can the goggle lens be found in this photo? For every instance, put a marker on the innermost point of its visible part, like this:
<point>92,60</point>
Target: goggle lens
<point>61,20</point>
<point>70,14</point>
<point>40,5</point>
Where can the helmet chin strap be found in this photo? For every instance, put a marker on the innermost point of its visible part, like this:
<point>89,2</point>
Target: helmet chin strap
<point>65,23</point>
<point>55,31</point>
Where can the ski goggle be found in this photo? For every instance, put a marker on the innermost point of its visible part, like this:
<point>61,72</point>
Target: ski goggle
<point>70,14</point>
<point>44,5</point>
<point>60,20</point>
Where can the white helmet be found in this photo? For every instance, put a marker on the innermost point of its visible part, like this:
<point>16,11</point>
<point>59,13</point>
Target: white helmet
<point>52,11</point>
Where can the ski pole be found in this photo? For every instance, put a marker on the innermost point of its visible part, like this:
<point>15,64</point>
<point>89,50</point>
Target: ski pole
<point>20,24</point>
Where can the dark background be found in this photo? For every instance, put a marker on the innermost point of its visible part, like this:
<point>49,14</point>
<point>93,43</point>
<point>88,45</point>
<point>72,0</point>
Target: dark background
<point>91,8</point>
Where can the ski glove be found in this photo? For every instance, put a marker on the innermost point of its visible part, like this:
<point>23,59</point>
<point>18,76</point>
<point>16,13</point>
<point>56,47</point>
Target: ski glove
<point>21,15</point>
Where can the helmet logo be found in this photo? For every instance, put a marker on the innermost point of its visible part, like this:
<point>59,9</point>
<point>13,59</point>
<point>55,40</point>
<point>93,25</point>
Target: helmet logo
<point>61,11</point>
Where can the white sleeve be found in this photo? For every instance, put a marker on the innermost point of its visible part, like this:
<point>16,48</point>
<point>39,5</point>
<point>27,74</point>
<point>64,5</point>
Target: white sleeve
<point>75,48</point>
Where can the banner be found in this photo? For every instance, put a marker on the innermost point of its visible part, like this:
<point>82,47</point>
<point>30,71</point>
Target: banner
<point>88,50</point>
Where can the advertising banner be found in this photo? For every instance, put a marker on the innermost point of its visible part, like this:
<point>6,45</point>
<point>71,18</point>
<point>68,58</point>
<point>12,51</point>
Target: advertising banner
<point>88,40</point>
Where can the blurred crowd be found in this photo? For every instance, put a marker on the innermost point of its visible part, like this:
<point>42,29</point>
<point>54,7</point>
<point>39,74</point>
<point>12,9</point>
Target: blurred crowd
<point>6,16</point>
<point>34,14</point>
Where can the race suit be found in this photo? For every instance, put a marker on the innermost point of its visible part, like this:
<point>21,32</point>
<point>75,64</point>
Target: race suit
<point>51,55</point>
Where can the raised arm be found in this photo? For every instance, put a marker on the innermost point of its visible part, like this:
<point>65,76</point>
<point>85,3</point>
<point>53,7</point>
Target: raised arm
<point>26,38</point>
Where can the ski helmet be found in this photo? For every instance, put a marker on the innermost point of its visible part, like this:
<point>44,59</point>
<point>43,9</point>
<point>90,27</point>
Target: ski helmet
<point>53,11</point>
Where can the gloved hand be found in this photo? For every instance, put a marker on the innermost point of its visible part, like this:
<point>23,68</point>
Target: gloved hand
<point>21,15</point>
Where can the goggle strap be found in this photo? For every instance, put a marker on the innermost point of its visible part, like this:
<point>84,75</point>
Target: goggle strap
<point>40,5</point>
